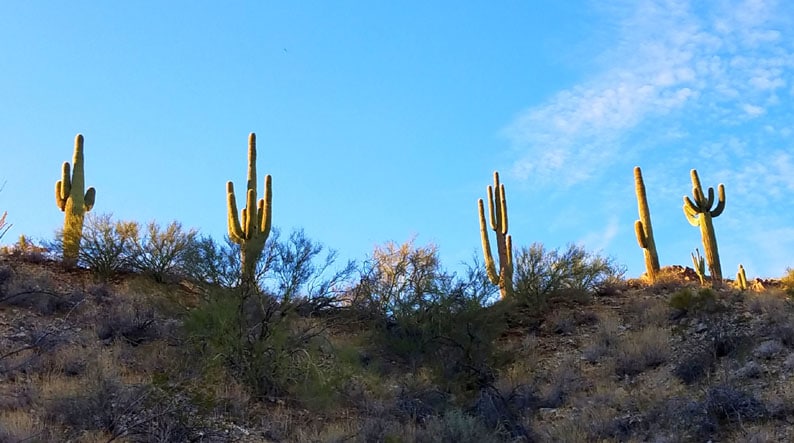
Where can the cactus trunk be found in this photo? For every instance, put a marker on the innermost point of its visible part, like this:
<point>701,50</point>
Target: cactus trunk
<point>643,228</point>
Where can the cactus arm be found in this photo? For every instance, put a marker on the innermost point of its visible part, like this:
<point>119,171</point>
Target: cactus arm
<point>721,203</point>
<point>266,207</point>
<point>59,200</point>
<point>503,209</point>
<point>66,181</point>
<point>491,208</point>
<point>235,229</point>
<point>691,215</point>
<point>90,198</point>
<point>250,218</point>
<point>490,266</point>
<point>641,239</point>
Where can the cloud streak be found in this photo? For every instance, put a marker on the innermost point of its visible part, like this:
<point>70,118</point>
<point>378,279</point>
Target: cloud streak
<point>723,66</point>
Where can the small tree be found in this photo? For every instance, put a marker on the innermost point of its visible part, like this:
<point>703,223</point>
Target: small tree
<point>160,252</point>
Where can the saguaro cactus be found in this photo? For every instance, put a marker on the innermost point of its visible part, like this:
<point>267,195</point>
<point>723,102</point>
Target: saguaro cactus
<point>497,209</point>
<point>73,202</point>
<point>643,228</point>
<point>699,213</point>
<point>251,229</point>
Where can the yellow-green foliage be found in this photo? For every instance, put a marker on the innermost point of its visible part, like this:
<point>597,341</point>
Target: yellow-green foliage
<point>741,279</point>
<point>788,281</point>
<point>251,229</point>
<point>687,299</point>
<point>699,212</point>
<point>73,202</point>
<point>643,228</point>
<point>497,209</point>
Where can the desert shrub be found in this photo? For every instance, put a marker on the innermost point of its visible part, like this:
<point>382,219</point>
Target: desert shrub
<point>264,338</point>
<point>303,273</point>
<point>539,273</point>
<point>456,426</point>
<point>788,281</point>
<point>131,322</point>
<point>426,318</point>
<point>642,350</point>
<point>208,261</point>
<point>107,246</point>
<point>691,300</point>
<point>159,252</point>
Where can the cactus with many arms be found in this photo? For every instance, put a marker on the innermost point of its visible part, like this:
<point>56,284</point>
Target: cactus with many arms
<point>741,279</point>
<point>699,213</point>
<point>497,209</point>
<point>643,228</point>
<point>73,202</point>
<point>251,229</point>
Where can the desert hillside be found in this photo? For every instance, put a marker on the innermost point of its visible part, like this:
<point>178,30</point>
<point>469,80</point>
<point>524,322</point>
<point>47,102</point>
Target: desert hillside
<point>589,356</point>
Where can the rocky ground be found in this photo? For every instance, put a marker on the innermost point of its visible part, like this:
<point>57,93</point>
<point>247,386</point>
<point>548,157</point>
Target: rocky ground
<point>86,361</point>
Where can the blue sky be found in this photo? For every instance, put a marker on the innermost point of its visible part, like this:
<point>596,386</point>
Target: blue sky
<point>382,121</point>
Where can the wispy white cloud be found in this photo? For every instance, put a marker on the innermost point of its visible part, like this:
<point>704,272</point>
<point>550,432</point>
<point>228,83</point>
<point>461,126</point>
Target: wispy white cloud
<point>600,240</point>
<point>724,66</point>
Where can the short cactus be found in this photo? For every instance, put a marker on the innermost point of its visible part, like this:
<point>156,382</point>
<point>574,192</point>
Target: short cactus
<point>74,203</point>
<point>497,208</point>
<point>700,266</point>
<point>699,212</point>
<point>643,228</point>
<point>251,229</point>
<point>741,279</point>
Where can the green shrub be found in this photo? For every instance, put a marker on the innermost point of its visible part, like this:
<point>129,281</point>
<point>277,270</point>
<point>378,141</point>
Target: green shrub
<point>107,247</point>
<point>690,300</point>
<point>213,263</point>
<point>271,340</point>
<point>159,252</point>
<point>539,273</point>
<point>426,318</point>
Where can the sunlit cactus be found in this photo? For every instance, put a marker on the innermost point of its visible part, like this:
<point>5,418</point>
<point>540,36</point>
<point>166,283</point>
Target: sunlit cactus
<point>700,266</point>
<point>741,279</point>
<point>643,229</point>
<point>699,212</point>
<point>497,209</point>
<point>251,229</point>
<point>73,202</point>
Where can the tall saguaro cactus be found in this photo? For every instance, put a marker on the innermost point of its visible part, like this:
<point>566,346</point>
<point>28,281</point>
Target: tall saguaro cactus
<point>251,229</point>
<point>73,202</point>
<point>643,228</point>
<point>497,209</point>
<point>699,212</point>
